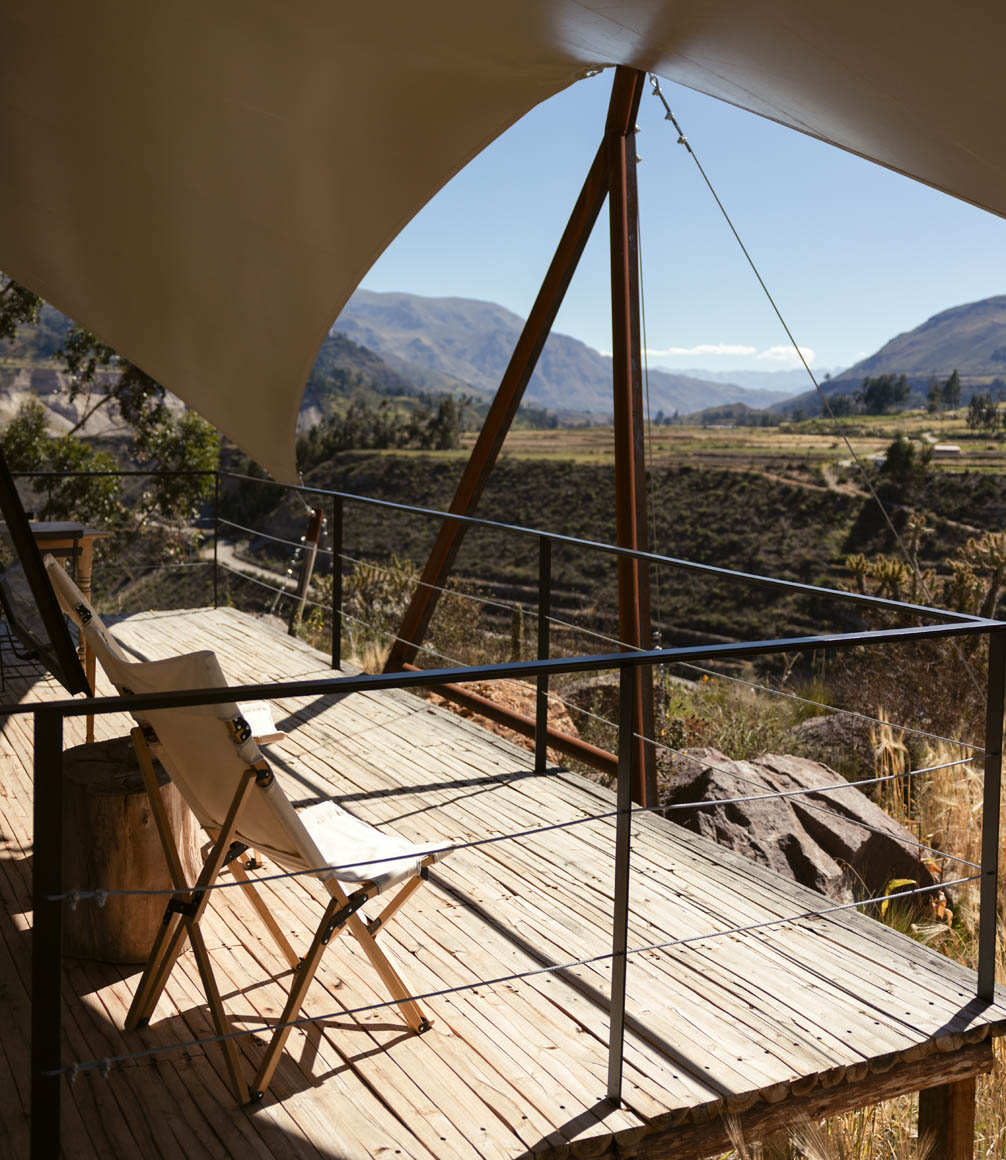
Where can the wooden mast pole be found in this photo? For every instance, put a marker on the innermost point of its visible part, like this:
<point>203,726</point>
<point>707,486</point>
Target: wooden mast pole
<point>630,467</point>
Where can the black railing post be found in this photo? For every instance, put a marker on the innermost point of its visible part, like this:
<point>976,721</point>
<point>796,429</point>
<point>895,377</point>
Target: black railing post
<point>337,517</point>
<point>620,905</point>
<point>46,936</point>
<point>988,917</point>
<point>216,539</point>
<point>544,612</point>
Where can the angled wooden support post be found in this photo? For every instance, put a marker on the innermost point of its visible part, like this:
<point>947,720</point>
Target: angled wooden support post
<point>504,407</point>
<point>630,466</point>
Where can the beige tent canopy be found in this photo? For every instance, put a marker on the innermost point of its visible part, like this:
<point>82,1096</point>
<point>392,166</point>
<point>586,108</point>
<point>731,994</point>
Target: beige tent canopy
<point>204,184</point>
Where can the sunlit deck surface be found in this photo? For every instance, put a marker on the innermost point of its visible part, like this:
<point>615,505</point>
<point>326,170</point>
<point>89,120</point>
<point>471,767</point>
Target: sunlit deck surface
<point>800,1016</point>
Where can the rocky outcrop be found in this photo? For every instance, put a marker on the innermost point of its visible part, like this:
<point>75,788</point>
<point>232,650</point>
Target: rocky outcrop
<point>835,841</point>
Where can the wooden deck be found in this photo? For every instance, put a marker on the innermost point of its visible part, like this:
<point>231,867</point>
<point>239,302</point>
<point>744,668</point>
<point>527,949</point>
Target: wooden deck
<point>800,1018</point>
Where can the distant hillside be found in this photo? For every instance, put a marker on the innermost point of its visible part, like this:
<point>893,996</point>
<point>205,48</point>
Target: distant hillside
<point>343,369</point>
<point>472,341</point>
<point>786,383</point>
<point>970,339</point>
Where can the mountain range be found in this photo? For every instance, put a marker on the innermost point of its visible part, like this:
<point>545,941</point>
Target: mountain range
<point>970,339</point>
<point>400,345</point>
<point>469,342</point>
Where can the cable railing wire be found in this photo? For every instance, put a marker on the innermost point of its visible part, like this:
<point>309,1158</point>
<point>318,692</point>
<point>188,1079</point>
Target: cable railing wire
<point>105,1066</point>
<point>622,644</point>
<point>101,895</point>
<point>275,539</point>
<point>718,769</point>
<point>766,689</point>
<point>569,625</point>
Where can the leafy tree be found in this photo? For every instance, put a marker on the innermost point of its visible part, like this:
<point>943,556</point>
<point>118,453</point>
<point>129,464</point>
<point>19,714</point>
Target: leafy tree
<point>17,306</point>
<point>27,446</point>
<point>880,394</point>
<point>106,380</point>
<point>983,413</point>
<point>842,405</point>
<point>366,427</point>
<point>934,397</point>
<point>952,391</point>
<point>903,462</point>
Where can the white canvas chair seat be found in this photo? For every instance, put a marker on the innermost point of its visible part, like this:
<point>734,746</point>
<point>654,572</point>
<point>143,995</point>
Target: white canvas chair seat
<point>211,756</point>
<point>384,859</point>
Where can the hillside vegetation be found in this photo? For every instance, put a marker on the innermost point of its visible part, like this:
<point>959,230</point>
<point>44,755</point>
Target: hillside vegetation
<point>738,519</point>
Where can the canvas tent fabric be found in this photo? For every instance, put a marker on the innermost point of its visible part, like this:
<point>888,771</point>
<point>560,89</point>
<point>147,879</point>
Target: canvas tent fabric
<point>204,185</point>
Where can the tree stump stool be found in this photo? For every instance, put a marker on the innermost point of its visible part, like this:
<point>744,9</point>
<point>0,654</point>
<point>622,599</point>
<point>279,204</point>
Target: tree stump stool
<point>110,841</point>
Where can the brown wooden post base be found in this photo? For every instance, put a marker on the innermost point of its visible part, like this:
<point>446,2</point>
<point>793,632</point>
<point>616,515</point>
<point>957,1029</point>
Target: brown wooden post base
<point>947,1120</point>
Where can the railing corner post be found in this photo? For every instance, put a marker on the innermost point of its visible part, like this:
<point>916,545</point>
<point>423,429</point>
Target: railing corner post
<point>216,538</point>
<point>337,530</point>
<point>620,904</point>
<point>988,905</point>
<point>47,935</point>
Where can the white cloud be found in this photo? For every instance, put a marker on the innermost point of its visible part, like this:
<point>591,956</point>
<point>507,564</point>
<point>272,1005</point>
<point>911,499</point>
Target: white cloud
<point>786,354</point>
<point>724,348</point>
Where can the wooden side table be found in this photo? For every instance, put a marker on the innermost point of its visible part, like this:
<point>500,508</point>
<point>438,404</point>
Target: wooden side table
<point>64,539</point>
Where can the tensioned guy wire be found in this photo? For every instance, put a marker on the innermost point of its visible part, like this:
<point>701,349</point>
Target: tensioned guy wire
<point>104,1066</point>
<point>913,566</point>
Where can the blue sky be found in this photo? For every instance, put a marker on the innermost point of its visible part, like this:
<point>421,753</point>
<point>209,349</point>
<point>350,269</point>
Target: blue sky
<point>853,253</point>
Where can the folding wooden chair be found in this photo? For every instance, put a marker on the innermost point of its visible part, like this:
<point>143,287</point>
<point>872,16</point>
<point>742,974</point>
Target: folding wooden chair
<point>221,773</point>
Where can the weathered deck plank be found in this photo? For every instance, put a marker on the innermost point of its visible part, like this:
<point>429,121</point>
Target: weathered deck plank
<point>740,1023</point>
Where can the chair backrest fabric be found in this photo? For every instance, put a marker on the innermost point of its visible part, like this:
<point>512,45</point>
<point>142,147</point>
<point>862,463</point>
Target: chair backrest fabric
<point>79,609</point>
<point>208,747</point>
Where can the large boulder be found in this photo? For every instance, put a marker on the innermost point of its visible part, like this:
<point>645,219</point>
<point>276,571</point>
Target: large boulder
<point>839,740</point>
<point>835,841</point>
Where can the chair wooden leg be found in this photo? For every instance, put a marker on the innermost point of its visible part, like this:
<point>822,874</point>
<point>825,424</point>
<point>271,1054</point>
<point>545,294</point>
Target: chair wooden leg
<point>302,980</point>
<point>396,988</point>
<point>947,1119</point>
<point>250,892</point>
<point>220,1021</point>
<point>393,906</point>
<point>166,949</point>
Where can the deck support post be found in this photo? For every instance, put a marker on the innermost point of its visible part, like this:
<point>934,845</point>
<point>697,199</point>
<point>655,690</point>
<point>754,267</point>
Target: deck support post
<point>990,815</point>
<point>47,937</point>
<point>612,175</point>
<point>627,688</point>
<point>630,468</point>
<point>947,1120</point>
